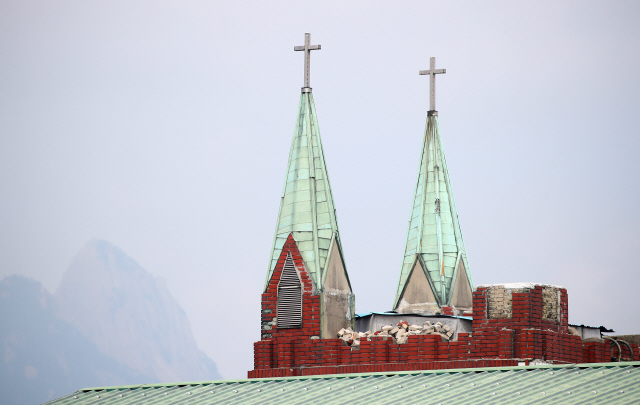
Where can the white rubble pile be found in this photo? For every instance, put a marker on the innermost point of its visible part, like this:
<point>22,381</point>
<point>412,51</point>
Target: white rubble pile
<point>400,333</point>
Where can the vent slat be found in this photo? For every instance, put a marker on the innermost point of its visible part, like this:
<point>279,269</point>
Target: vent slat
<point>289,305</point>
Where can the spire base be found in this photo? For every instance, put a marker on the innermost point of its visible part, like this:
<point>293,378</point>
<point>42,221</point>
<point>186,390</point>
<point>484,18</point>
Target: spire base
<point>432,113</point>
<point>306,89</point>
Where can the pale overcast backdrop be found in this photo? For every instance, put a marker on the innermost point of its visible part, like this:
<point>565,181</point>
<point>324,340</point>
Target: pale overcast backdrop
<point>164,128</point>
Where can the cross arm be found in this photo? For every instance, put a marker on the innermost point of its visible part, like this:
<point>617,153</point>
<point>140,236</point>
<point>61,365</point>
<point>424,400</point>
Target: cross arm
<point>428,72</point>
<point>311,47</point>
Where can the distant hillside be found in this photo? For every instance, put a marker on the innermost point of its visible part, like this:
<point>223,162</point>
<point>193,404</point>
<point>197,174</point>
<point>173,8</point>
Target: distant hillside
<point>130,316</point>
<point>109,323</point>
<point>44,357</point>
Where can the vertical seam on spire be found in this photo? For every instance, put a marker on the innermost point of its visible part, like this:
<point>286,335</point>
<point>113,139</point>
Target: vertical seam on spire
<point>425,179</point>
<point>435,139</point>
<point>312,190</point>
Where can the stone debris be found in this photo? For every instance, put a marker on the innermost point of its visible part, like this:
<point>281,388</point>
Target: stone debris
<point>399,333</point>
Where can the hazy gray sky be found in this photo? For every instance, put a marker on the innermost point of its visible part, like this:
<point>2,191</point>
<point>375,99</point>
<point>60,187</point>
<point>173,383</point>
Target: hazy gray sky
<point>164,128</point>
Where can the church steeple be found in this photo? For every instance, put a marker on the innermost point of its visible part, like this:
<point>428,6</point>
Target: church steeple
<point>307,225</point>
<point>435,272</point>
<point>307,209</point>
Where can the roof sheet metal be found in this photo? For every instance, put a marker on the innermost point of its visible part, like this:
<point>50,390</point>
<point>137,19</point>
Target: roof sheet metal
<point>434,231</point>
<point>575,384</point>
<point>469,318</point>
<point>306,207</point>
<point>600,328</point>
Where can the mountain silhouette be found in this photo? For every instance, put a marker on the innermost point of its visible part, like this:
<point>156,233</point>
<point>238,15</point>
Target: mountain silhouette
<point>110,322</point>
<point>130,315</point>
<point>45,357</point>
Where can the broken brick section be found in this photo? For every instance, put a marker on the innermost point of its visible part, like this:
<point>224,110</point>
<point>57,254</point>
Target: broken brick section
<point>524,336</point>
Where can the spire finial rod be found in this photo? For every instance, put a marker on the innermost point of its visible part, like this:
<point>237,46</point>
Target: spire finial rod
<point>432,72</point>
<point>307,48</point>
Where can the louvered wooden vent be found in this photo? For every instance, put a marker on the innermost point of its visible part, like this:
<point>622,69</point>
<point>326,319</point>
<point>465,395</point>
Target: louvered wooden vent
<point>289,310</point>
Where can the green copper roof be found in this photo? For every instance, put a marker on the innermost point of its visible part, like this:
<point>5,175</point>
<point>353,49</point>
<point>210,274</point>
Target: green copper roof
<point>434,235</point>
<point>306,207</point>
<point>604,383</point>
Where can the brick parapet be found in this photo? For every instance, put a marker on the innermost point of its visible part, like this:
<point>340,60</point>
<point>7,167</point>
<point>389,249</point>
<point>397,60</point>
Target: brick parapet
<point>517,308</point>
<point>387,367</point>
<point>523,335</point>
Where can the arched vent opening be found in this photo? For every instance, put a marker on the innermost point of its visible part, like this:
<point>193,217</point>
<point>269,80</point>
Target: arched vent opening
<point>289,309</point>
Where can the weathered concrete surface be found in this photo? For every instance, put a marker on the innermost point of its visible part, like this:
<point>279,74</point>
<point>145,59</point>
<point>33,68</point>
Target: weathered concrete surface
<point>550,303</point>
<point>500,300</point>
<point>338,301</point>
<point>418,297</point>
<point>336,277</point>
<point>461,295</point>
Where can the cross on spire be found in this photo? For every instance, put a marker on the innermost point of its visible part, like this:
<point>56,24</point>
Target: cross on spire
<point>307,48</point>
<point>432,72</point>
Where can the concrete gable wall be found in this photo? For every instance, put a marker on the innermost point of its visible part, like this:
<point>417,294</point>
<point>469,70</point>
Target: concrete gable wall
<point>418,297</point>
<point>338,301</point>
<point>336,277</point>
<point>461,295</point>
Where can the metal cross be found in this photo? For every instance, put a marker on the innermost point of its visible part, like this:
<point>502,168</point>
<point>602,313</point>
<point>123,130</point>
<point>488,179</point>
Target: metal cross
<point>307,48</point>
<point>433,72</point>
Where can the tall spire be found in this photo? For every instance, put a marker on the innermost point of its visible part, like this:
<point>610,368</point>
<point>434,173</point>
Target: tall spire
<point>307,210</point>
<point>435,272</point>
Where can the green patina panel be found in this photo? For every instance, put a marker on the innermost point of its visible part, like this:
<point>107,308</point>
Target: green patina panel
<point>306,207</point>
<point>434,230</point>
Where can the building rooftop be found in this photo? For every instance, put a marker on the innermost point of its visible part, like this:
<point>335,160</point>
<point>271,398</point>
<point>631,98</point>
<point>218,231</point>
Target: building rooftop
<point>569,384</point>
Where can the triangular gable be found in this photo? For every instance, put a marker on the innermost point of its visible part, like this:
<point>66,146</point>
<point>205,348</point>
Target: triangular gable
<point>290,249</point>
<point>418,293</point>
<point>335,277</point>
<point>461,293</point>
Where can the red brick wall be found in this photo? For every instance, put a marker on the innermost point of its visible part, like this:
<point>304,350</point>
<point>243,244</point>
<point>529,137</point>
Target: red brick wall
<point>276,349</point>
<point>373,368</point>
<point>527,312</point>
<point>494,342</point>
<point>310,303</point>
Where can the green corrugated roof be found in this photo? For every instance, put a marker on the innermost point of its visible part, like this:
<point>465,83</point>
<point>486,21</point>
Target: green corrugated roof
<point>617,383</point>
<point>306,207</point>
<point>434,234</point>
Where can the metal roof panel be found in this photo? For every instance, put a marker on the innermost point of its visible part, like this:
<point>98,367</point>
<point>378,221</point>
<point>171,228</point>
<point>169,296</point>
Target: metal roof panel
<point>567,384</point>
